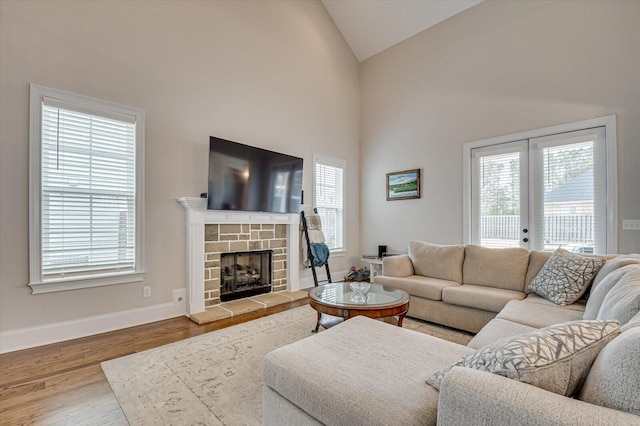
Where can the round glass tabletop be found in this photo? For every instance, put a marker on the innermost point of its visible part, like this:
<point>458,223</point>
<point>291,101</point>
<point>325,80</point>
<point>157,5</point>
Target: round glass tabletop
<point>341,294</point>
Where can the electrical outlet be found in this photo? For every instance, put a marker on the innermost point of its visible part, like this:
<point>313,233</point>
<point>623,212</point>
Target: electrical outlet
<point>179,295</point>
<point>180,301</point>
<point>146,291</point>
<point>631,225</point>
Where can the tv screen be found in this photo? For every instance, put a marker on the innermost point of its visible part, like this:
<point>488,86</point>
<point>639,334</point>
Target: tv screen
<point>243,177</point>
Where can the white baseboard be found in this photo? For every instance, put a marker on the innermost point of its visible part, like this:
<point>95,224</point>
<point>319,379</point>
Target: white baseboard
<point>30,337</point>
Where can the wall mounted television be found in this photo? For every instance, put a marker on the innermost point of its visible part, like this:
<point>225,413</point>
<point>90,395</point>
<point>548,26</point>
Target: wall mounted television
<point>246,178</point>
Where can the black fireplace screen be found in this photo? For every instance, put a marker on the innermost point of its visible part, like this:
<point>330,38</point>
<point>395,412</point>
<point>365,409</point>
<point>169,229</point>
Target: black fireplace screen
<point>244,274</point>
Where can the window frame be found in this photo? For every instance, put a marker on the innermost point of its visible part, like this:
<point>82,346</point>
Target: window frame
<point>341,164</point>
<point>36,282</point>
<point>608,122</point>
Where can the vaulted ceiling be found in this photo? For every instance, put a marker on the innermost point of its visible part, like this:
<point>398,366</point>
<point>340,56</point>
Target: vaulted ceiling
<point>371,26</point>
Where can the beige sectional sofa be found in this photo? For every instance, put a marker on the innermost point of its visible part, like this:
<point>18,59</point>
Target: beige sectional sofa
<point>462,287</point>
<point>365,372</point>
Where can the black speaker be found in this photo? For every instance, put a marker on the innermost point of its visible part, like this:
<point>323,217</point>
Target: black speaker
<point>382,250</point>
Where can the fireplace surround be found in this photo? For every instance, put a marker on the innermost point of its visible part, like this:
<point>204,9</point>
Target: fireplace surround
<point>197,263</point>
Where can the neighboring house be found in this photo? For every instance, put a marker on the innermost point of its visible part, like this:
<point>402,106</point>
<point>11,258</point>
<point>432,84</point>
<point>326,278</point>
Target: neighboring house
<point>572,197</point>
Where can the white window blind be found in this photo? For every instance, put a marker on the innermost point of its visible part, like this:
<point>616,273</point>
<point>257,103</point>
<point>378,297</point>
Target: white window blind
<point>88,192</point>
<point>329,199</point>
<point>569,191</point>
<point>499,191</point>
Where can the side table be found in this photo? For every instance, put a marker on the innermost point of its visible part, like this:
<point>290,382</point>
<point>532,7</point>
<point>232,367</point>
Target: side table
<point>375,265</point>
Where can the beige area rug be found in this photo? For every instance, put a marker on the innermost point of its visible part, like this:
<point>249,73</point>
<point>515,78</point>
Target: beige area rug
<point>216,378</point>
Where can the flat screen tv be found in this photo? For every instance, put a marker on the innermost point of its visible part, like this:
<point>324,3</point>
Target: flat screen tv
<point>246,178</point>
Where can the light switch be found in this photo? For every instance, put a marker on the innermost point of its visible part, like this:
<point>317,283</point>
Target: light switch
<point>631,225</point>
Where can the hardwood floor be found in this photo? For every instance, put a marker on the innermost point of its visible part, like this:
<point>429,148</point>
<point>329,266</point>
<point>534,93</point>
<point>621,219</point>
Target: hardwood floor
<point>63,383</point>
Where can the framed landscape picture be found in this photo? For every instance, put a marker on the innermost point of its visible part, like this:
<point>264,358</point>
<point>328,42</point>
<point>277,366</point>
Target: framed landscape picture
<point>403,185</point>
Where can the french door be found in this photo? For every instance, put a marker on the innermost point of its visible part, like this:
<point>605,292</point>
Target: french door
<point>541,193</point>
<point>500,207</point>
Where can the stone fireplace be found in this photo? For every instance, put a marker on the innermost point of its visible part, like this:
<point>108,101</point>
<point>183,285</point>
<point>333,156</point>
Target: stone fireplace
<point>213,232</point>
<point>228,240</point>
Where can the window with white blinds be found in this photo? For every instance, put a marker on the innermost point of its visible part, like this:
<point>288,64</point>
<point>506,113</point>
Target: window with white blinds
<point>329,199</point>
<point>87,228</point>
<point>545,189</point>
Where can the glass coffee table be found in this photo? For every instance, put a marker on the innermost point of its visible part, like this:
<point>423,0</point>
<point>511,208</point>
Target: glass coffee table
<point>337,302</point>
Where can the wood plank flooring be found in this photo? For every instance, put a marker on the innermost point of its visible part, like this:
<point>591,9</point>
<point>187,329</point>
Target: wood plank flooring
<point>63,383</point>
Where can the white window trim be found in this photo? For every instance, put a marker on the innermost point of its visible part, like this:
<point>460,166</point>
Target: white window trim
<point>37,93</point>
<point>609,123</point>
<point>336,162</point>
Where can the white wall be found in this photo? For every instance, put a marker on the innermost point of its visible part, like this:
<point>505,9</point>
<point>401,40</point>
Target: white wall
<point>495,69</point>
<point>275,74</point>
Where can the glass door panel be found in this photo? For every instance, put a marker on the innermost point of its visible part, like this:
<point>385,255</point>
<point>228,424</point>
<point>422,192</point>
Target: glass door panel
<point>499,195</point>
<point>568,198</point>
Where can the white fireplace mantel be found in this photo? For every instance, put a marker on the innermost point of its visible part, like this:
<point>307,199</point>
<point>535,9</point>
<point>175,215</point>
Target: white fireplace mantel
<point>198,216</point>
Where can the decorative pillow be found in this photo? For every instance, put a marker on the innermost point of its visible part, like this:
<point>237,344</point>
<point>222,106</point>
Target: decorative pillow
<point>555,358</point>
<point>565,277</point>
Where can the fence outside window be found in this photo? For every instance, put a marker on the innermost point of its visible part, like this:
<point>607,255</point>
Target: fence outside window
<point>570,230</point>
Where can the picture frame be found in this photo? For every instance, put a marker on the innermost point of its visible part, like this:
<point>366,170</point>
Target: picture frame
<point>404,185</point>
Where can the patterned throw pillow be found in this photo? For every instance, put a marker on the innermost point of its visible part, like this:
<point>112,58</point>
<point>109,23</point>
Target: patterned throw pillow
<point>556,358</point>
<point>565,277</point>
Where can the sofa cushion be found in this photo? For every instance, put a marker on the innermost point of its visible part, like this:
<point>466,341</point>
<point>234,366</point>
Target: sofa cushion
<point>614,264</point>
<point>437,261</point>
<point>554,358</point>
<point>565,277</point>
<point>497,329</point>
<point>362,371</point>
<point>499,268</point>
<point>478,297</point>
<point>600,291</point>
<point>614,379</point>
<point>537,315</point>
<point>634,322</point>
<point>622,302</point>
<point>397,266</point>
<point>578,306</point>
<point>537,259</point>
<point>472,397</point>
<point>417,285</point>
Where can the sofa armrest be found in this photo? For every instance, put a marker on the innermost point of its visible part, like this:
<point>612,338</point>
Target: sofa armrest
<point>397,266</point>
<point>470,396</point>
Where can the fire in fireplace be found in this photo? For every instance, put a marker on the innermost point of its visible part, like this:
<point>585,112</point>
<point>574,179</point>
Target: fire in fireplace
<point>244,274</point>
